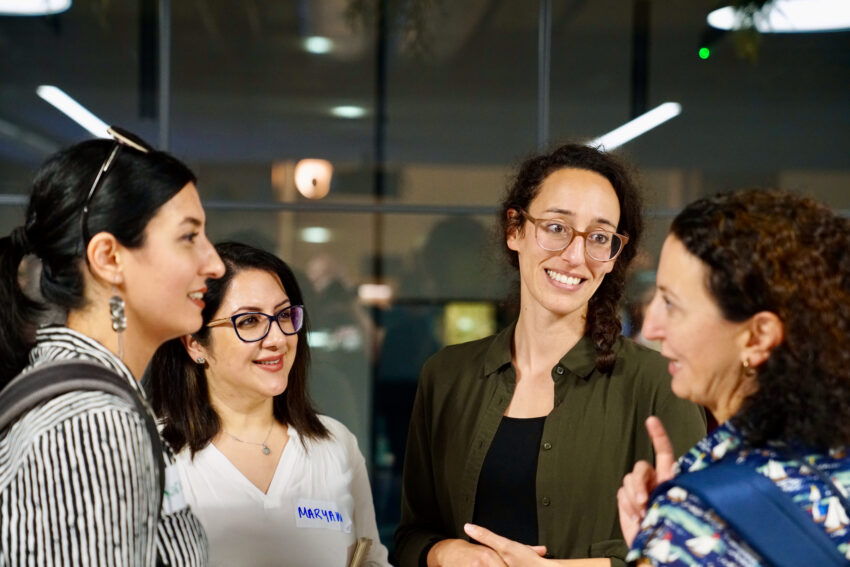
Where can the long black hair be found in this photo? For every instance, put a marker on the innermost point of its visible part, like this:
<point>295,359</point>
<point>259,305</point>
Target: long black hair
<point>128,196</point>
<point>178,385</point>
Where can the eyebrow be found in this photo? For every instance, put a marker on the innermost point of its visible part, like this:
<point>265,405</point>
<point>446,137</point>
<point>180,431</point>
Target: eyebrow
<point>193,221</point>
<point>567,212</point>
<point>255,309</point>
<point>666,291</point>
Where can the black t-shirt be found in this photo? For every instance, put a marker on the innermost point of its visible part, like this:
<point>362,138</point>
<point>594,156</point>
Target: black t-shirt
<point>506,499</point>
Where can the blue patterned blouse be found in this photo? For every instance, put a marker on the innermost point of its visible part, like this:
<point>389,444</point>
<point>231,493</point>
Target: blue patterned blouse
<point>679,529</point>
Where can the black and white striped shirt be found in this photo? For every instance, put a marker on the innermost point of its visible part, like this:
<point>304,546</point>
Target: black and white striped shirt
<point>77,481</point>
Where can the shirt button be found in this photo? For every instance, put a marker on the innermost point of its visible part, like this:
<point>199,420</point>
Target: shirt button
<point>547,446</point>
<point>546,501</point>
<point>560,370</point>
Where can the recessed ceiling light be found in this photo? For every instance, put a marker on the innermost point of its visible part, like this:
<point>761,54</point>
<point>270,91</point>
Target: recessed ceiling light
<point>318,45</point>
<point>788,16</point>
<point>33,7</point>
<point>348,111</point>
<point>315,234</point>
<point>73,110</point>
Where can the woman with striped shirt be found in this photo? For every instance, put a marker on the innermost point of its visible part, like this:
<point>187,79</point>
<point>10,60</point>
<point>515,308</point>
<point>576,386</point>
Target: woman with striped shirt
<point>114,259</point>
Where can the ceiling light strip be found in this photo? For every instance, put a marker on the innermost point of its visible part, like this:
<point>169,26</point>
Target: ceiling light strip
<point>640,125</point>
<point>73,109</point>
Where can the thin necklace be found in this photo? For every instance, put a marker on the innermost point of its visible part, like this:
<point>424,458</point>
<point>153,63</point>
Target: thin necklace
<point>266,450</point>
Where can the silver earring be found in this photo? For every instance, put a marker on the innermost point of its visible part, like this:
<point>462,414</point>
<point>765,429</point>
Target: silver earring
<point>202,360</point>
<point>118,318</point>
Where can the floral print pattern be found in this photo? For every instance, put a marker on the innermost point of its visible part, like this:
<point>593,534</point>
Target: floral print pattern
<point>679,529</point>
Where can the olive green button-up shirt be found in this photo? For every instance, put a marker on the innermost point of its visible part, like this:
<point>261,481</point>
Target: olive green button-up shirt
<point>592,437</point>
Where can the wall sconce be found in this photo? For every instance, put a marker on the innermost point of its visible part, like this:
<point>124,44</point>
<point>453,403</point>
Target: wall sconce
<point>313,177</point>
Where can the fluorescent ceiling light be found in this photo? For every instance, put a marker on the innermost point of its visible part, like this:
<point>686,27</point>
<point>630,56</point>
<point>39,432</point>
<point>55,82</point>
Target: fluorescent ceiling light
<point>640,125</point>
<point>788,16</point>
<point>33,7</point>
<point>73,109</point>
<point>316,234</point>
<point>348,111</point>
<point>318,45</point>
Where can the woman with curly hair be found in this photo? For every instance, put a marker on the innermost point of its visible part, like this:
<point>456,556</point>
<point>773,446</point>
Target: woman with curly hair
<point>528,432</point>
<point>753,310</point>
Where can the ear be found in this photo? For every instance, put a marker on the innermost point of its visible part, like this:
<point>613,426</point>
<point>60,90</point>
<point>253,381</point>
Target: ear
<point>514,231</point>
<point>766,332</point>
<point>194,348</point>
<point>104,254</point>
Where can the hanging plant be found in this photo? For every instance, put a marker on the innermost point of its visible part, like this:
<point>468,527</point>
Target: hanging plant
<point>747,37</point>
<point>409,22</point>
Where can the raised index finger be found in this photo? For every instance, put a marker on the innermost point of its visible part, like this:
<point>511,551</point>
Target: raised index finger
<point>664,459</point>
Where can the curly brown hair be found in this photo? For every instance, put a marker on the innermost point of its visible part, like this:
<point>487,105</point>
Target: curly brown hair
<point>603,315</point>
<point>779,252</point>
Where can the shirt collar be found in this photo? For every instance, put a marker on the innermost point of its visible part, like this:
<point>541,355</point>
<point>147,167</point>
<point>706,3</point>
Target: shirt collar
<point>62,343</point>
<point>580,360</point>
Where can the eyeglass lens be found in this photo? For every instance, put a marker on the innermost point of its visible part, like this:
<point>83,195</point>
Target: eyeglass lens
<point>599,244</point>
<point>255,326</point>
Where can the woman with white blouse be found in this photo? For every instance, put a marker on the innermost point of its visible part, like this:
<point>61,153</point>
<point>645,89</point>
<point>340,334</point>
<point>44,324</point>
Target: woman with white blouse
<point>273,482</point>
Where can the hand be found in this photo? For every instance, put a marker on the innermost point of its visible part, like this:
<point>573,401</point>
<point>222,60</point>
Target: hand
<point>633,496</point>
<point>512,553</point>
<point>460,553</point>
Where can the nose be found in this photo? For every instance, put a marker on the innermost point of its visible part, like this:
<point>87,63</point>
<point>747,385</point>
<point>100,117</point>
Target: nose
<point>275,337</point>
<point>213,267</point>
<point>653,320</point>
<point>574,252</point>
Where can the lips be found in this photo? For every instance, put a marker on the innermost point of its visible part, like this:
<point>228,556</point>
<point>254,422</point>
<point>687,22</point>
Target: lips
<point>673,366</point>
<point>197,297</point>
<point>563,278</point>
<point>270,364</point>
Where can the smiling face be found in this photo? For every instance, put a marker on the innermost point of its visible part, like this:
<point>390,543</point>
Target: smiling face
<point>254,372</point>
<point>165,278</point>
<point>705,349</point>
<point>563,282</point>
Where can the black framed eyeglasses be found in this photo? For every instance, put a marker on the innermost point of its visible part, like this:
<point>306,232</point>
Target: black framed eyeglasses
<point>255,326</point>
<point>122,138</point>
<point>600,244</point>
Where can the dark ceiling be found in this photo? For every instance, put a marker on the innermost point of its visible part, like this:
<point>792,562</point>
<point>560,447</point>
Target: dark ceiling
<point>245,91</point>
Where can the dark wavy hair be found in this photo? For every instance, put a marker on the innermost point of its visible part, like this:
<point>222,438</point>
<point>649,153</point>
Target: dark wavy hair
<point>603,315</point>
<point>178,385</point>
<point>128,197</point>
<point>778,252</point>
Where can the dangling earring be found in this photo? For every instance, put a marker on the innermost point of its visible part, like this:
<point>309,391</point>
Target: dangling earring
<point>119,319</point>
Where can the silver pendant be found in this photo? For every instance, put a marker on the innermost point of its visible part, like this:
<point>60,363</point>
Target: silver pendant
<point>266,450</point>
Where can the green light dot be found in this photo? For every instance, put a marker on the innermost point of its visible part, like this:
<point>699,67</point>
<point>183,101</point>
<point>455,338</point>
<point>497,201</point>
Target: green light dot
<point>704,53</point>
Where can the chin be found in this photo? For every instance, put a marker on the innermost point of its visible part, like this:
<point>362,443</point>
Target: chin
<point>680,390</point>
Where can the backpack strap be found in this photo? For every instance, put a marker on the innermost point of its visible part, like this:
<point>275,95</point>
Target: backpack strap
<point>53,379</point>
<point>765,517</point>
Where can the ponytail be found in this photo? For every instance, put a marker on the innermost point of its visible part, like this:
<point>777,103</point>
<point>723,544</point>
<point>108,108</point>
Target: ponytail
<point>17,327</point>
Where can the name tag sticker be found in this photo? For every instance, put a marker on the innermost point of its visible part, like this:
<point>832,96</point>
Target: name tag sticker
<point>321,514</point>
<point>173,499</point>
